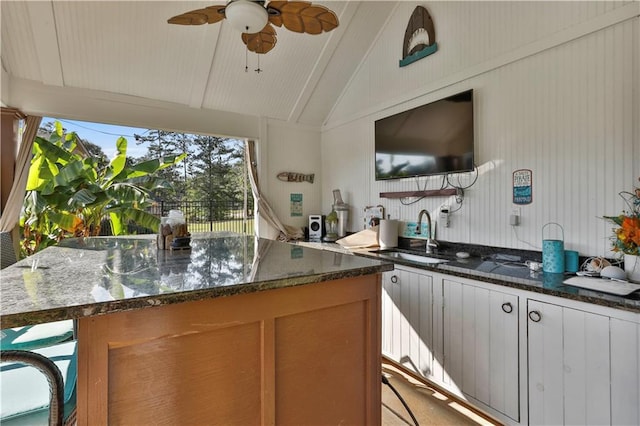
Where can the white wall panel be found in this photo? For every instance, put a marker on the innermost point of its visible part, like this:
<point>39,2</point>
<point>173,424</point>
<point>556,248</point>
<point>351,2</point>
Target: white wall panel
<point>292,149</point>
<point>556,91</point>
<point>347,156</point>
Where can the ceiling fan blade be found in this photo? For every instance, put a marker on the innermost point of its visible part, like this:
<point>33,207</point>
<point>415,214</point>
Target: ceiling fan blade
<point>208,15</point>
<point>302,16</point>
<point>261,42</point>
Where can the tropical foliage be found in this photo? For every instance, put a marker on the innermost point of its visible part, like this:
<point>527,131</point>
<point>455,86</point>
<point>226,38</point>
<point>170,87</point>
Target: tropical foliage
<point>70,194</point>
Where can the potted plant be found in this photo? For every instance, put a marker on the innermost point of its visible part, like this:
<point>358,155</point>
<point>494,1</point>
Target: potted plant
<point>626,237</point>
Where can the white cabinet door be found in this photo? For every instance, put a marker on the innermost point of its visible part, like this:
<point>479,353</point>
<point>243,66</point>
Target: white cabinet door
<point>625,372</point>
<point>569,366</point>
<point>407,319</point>
<point>481,345</point>
<point>388,307</point>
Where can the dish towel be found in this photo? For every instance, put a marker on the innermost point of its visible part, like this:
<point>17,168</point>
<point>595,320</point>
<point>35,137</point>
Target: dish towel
<point>363,239</point>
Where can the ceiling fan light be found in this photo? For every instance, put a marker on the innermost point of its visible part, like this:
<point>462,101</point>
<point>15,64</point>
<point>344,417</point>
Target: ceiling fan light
<point>246,16</point>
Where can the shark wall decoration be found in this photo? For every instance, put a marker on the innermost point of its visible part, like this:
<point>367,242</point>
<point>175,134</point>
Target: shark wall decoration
<point>419,37</point>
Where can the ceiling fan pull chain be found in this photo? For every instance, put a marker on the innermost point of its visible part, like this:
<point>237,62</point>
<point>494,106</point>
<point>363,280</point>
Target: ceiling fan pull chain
<point>246,59</point>
<point>258,70</point>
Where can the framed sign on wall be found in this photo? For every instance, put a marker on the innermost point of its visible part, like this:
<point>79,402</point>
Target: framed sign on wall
<point>522,186</point>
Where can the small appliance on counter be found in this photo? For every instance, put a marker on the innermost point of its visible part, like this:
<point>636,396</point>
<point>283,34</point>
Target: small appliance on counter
<point>342,211</point>
<point>332,227</point>
<point>316,227</point>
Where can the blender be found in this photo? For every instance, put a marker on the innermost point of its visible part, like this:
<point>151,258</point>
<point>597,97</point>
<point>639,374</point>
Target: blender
<point>342,211</point>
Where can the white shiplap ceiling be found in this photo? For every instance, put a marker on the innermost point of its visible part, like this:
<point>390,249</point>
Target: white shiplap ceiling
<point>127,47</point>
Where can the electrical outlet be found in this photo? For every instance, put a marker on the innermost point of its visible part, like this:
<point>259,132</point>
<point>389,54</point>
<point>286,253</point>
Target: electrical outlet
<point>514,218</point>
<point>444,216</point>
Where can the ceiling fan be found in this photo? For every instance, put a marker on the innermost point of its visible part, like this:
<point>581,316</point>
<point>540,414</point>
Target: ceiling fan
<point>255,19</point>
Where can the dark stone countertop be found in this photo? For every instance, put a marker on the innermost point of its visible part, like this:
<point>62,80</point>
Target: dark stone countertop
<point>506,267</point>
<point>94,276</point>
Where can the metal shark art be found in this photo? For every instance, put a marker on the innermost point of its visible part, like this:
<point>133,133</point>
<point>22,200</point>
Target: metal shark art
<point>419,37</point>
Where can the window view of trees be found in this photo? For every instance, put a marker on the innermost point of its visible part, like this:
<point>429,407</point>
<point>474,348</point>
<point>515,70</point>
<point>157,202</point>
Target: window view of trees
<point>74,188</point>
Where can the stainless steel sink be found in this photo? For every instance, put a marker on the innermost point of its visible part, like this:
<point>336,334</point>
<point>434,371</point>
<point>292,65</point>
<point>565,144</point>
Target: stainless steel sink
<point>410,257</point>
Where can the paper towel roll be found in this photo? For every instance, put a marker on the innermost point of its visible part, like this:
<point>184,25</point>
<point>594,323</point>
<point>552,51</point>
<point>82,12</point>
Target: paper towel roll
<point>388,233</point>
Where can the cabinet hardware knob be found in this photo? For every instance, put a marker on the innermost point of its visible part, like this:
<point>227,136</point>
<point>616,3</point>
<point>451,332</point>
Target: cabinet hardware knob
<point>535,316</point>
<point>394,279</point>
<point>507,307</point>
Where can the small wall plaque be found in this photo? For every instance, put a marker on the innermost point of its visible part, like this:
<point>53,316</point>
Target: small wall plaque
<point>296,204</point>
<point>522,186</point>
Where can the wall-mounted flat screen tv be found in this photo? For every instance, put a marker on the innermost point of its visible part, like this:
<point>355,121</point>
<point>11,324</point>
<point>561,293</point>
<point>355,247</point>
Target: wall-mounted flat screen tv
<point>436,138</point>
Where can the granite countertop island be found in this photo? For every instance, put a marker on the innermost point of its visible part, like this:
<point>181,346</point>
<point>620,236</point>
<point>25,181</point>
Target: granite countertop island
<point>204,335</point>
<point>91,276</point>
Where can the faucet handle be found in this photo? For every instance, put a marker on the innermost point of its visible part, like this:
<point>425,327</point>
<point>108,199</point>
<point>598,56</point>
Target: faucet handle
<point>431,245</point>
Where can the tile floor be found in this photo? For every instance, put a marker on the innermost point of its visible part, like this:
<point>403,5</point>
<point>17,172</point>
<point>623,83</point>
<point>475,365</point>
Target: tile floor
<point>429,406</point>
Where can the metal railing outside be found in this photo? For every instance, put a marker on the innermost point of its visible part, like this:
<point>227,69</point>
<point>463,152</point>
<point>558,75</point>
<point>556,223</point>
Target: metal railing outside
<point>211,216</point>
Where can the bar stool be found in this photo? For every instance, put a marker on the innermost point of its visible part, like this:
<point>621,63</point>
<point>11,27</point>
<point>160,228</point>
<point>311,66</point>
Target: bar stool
<point>38,387</point>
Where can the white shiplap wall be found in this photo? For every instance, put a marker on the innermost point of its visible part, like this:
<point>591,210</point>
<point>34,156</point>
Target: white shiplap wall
<point>556,91</point>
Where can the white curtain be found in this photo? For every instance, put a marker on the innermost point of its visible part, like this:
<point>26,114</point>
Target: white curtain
<point>264,209</point>
<point>11,212</point>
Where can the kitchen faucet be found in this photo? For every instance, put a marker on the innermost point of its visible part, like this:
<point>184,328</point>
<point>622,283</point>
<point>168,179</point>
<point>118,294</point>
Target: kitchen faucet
<point>432,244</point>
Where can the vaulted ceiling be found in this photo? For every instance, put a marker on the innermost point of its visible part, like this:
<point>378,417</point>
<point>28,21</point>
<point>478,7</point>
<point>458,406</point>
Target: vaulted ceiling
<point>127,47</point>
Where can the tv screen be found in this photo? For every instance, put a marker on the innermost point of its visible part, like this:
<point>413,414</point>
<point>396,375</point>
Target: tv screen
<point>431,139</point>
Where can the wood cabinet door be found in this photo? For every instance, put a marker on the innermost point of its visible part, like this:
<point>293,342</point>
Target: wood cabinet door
<point>481,345</point>
<point>407,316</point>
<point>569,365</point>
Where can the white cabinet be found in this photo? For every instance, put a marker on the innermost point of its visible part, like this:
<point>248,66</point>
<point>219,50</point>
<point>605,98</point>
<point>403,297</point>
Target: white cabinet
<point>625,372</point>
<point>523,357</point>
<point>481,335</point>
<point>583,367</point>
<point>407,319</point>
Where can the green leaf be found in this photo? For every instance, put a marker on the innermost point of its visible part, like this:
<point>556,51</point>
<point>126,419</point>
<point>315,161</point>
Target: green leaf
<point>66,221</point>
<point>615,219</point>
<point>83,197</point>
<point>69,173</point>
<point>117,227</point>
<point>53,152</point>
<point>58,128</point>
<point>140,217</point>
<point>118,162</point>
<point>70,141</point>
<point>39,173</point>
<point>145,168</point>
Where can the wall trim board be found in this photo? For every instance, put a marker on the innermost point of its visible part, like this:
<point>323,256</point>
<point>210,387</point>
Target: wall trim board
<point>636,103</point>
<point>602,22</point>
<point>275,123</point>
<point>323,61</point>
<point>94,105</point>
<point>345,89</point>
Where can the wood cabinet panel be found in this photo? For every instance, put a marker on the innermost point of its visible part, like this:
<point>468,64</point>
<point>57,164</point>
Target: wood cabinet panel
<point>181,367</point>
<point>338,343</point>
<point>298,355</point>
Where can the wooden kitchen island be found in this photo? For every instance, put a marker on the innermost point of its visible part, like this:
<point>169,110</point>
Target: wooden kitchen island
<point>237,330</point>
